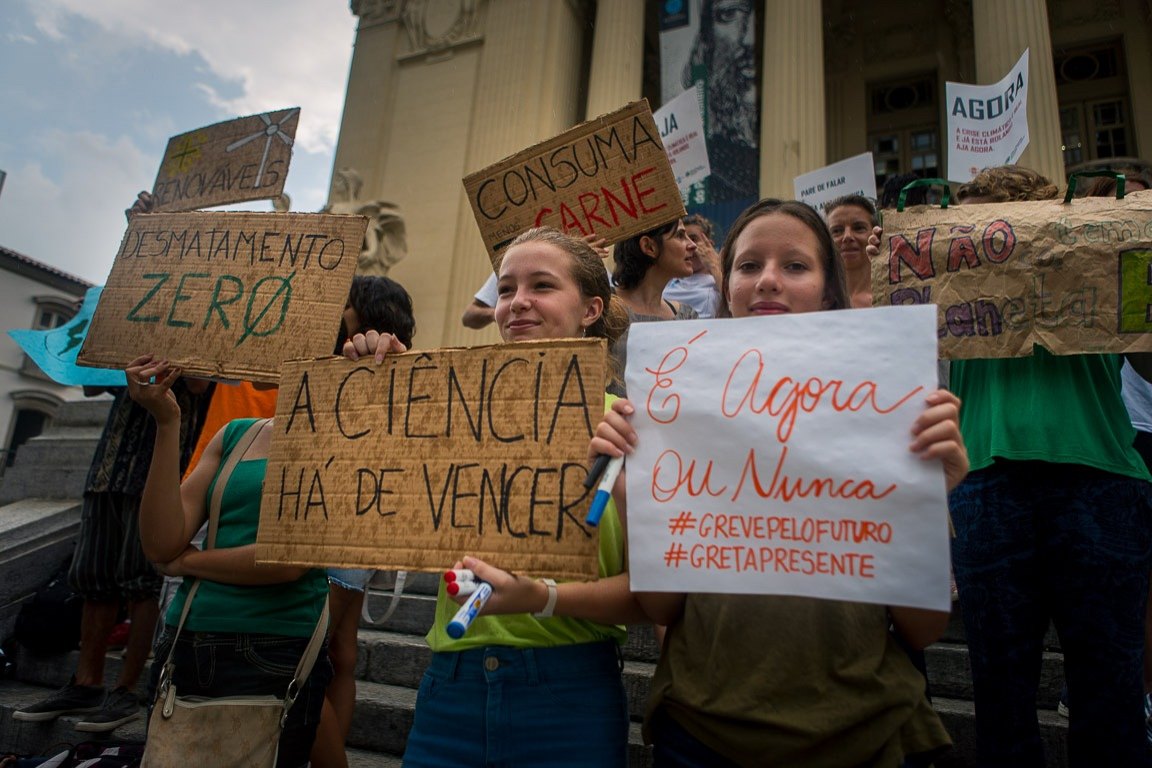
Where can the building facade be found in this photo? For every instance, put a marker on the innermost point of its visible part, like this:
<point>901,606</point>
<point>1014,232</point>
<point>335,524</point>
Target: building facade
<point>441,88</point>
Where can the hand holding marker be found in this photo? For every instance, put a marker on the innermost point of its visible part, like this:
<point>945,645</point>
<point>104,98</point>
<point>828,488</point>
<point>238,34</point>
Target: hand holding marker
<point>607,469</point>
<point>460,582</point>
<point>466,583</point>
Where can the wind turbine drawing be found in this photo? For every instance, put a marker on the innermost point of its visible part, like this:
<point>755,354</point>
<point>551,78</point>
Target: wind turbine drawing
<point>270,131</point>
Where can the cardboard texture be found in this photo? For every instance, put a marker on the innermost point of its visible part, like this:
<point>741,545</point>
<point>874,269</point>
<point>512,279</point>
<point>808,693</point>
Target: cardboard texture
<point>229,162</point>
<point>610,176</point>
<point>434,455</point>
<point>228,295</point>
<point>1073,278</point>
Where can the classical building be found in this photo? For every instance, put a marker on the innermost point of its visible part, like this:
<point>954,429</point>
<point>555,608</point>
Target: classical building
<point>32,295</point>
<point>441,88</point>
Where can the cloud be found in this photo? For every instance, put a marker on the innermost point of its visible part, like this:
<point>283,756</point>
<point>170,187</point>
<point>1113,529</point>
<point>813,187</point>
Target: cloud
<point>289,53</point>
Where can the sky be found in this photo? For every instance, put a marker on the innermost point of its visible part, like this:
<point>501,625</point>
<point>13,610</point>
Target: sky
<point>91,91</point>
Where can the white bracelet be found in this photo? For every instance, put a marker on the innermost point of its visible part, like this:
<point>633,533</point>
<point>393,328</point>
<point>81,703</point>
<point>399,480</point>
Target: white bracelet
<point>549,606</point>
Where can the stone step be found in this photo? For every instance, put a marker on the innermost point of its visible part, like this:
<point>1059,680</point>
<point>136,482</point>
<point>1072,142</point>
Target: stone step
<point>38,535</point>
<point>56,670</point>
<point>950,676</point>
<point>50,737</point>
<point>959,719</point>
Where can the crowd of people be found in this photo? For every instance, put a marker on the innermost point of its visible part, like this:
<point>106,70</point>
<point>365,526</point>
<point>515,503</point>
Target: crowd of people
<point>1049,500</point>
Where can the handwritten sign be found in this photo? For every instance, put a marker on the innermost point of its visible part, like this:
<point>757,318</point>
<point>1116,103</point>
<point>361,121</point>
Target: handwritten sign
<point>609,176</point>
<point>55,350</point>
<point>226,294</point>
<point>682,131</point>
<point>1072,278</point>
<point>854,176</point>
<point>763,468</point>
<point>987,124</point>
<point>435,455</point>
<point>229,162</point>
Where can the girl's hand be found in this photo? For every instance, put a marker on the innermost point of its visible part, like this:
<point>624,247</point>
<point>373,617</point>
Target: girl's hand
<point>936,435</point>
<point>373,343</point>
<point>150,384</point>
<point>872,250</point>
<point>510,593</point>
<point>599,244</point>
<point>614,434</point>
<point>175,568</point>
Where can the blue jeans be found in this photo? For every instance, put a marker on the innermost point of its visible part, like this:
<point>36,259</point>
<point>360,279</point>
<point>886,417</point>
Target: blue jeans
<point>1038,542</point>
<point>500,707</point>
<point>229,664</point>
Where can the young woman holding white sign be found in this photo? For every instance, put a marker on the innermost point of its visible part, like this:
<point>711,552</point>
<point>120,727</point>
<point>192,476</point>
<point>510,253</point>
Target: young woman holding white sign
<point>541,685</point>
<point>787,680</point>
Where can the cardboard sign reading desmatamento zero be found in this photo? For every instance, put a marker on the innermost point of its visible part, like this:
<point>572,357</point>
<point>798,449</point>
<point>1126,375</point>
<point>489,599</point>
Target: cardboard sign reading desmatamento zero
<point>1073,278</point>
<point>230,162</point>
<point>434,455</point>
<point>609,176</point>
<point>226,294</point>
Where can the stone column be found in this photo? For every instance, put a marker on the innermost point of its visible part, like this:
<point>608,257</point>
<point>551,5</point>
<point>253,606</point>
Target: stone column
<point>617,72</point>
<point>1002,30</point>
<point>791,95</point>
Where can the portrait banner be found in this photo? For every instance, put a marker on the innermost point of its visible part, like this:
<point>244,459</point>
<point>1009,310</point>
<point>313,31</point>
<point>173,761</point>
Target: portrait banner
<point>230,162</point>
<point>431,456</point>
<point>987,124</point>
<point>225,295</point>
<point>1073,278</point>
<point>762,468</point>
<point>853,176</point>
<point>682,131</point>
<point>609,176</point>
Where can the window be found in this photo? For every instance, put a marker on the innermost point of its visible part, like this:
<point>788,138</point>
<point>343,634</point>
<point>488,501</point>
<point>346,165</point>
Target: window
<point>903,127</point>
<point>31,414</point>
<point>52,312</point>
<point>1095,118</point>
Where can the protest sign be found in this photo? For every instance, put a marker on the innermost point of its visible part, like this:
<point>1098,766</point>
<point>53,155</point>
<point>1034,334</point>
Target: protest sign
<point>987,124</point>
<point>435,455</point>
<point>1070,277</point>
<point>609,176</point>
<point>763,468</point>
<point>226,294</point>
<point>682,131</point>
<point>55,350</point>
<point>229,162</point>
<point>854,176</point>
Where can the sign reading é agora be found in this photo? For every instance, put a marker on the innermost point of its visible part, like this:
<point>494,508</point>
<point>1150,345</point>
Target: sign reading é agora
<point>763,468</point>
<point>609,176</point>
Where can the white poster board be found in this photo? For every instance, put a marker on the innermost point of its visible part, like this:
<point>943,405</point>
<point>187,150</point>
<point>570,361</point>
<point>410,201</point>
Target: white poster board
<point>681,129</point>
<point>774,458</point>
<point>854,176</point>
<point>987,124</point>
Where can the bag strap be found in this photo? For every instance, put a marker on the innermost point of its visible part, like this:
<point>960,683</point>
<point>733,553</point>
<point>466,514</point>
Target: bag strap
<point>397,591</point>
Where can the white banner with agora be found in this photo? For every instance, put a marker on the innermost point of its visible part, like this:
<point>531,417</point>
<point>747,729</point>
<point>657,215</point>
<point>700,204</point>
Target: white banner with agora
<point>774,458</point>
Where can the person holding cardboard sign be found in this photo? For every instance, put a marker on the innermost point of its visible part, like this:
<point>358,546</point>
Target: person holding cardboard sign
<point>540,686</point>
<point>768,680</point>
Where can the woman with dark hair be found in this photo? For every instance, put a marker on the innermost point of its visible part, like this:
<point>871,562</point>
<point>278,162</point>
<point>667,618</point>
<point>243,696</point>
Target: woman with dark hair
<point>851,220</point>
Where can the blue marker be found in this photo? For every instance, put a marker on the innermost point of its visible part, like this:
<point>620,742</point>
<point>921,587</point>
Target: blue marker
<point>604,491</point>
<point>469,611</point>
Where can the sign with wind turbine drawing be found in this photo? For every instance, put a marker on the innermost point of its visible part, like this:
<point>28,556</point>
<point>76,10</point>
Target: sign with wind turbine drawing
<point>229,162</point>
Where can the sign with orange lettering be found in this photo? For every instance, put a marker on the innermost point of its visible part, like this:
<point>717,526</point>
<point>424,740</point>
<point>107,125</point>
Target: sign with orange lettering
<point>774,458</point>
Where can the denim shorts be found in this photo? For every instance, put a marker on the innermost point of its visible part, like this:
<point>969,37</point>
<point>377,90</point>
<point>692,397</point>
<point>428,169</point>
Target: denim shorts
<point>350,578</point>
<point>543,707</point>
<point>231,664</point>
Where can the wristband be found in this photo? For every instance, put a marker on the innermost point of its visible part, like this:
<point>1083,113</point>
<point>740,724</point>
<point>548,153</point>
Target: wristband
<point>549,606</point>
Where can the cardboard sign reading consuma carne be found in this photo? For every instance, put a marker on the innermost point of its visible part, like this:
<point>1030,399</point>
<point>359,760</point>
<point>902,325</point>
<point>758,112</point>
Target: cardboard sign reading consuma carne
<point>765,469</point>
<point>431,456</point>
<point>608,176</point>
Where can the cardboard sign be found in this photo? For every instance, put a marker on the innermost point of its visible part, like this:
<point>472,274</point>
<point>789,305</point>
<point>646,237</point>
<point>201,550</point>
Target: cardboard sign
<point>1072,278</point>
<point>682,131</point>
<point>227,295</point>
<point>230,162</point>
<point>55,350</point>
<point>434,455</point>
<point>987,124</point>
<point>763,468</point>
<point>854,176</point>
<point>609,176</point>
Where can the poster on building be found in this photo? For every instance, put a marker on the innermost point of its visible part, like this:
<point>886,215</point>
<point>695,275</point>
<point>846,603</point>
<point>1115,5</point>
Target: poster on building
<point>854,176</point>
<point>434,455</point>
<point>54,351</point>
<point>609,176</point>
<point>987,124</point>
<point>681,127</point>
<point>230,162</point>
<point>225,295</point>
<point>713,43</point>
<point>762,468</point>
<point>1071,277</point>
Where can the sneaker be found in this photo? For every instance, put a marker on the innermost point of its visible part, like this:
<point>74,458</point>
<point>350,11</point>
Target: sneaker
<point>120,706</point>
<point>1148,716</point>
<point>72,699</point>
<point>1062,706</point>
